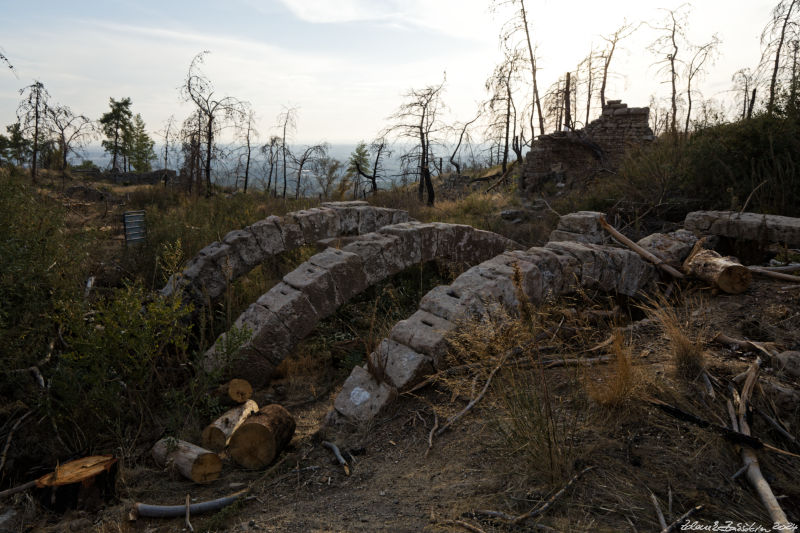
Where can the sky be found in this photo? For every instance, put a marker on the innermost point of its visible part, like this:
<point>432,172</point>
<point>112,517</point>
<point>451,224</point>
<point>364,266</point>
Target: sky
<point>345,64</point>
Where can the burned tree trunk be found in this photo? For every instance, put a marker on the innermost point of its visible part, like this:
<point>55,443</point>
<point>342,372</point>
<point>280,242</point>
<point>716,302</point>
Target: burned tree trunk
<point>260,439</point>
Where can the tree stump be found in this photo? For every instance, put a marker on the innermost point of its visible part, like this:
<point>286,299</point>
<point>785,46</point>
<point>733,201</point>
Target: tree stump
<point>216,435</point>
<point>723,272</point>
<point>260,439</point>
<point>86,483</point>
<point>193,462</point>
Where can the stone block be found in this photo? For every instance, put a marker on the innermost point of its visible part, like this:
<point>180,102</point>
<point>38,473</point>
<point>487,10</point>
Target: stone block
<point>488,284</point>
<point>317,223</point>
<point>375,251</point>
<point>362,397</point>
<point>424,333</point>
<point>416,240</point>
<point>246,246</point>
<point>530,276</point>
<point>366,219</point>
<point>672,248</point>
<point>268,343</point>
<point>384,216</point>
<point>589,267</point>
<point>318,286</point>
<point>402,367</point>
<point>268,235</point>
<point>346,269</point>
<point>447,303</point>
<point>293,309</point>
<point>291,233</point>
<point>749,226</point>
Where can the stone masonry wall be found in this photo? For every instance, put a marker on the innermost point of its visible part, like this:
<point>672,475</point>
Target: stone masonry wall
<point>570,158</point>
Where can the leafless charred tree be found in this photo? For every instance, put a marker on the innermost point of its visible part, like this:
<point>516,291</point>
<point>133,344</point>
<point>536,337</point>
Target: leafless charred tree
<point>287,122</point>
<point>501,101</point>
<point>612,41</point>
<point>70,130</point>
<point>379,148</point>
<point>463,137</point>
<point>216,111</point>
<point>248,134</point>
<point>667,46</point>
<point>169,135</point>
<point>192,134</point>
<point>309,154</point>
<point>31,114</point>
<point>520,24</point>
<point>744,81</point>
<point>417,119</point>
<point>774,38</point>
<point>271,152</point>
<point>694,68</point>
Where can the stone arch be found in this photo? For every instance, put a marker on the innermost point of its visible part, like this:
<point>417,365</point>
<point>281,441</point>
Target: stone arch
<point>208,273</point>
<point>288,312</point>
<point>416,346</point>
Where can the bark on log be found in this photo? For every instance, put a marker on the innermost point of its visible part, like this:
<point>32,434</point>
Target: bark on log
<point>723,272</point>
<point>216,435</point>
<point>260,439</point>
<point>236,390</point>
<point>193,462</point>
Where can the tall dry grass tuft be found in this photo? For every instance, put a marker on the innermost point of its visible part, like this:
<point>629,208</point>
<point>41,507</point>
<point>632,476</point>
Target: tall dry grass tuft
<point>620,382</point>
<point>686,333</point>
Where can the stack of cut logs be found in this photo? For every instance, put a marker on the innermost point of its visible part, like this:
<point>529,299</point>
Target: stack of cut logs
<point>252,437</point>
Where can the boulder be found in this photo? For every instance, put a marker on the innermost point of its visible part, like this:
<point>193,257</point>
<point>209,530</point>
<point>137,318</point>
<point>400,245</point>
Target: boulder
<point>362,397</point>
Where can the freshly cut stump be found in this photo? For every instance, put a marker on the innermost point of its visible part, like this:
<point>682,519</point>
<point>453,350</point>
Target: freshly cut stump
<point>725,273</point>
<point>257,442</point>
<point>78,483</point>
<point>236,390</point>
<point>193,462</point>
<point>215,435</point>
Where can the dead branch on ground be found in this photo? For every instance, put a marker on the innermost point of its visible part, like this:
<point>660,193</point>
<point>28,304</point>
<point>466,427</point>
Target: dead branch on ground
<point>639,250</point>
<point>335,449</point>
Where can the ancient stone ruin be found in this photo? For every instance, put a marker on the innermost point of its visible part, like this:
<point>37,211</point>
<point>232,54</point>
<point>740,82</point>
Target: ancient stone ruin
<point>364,245</point>
<point>567,158</point>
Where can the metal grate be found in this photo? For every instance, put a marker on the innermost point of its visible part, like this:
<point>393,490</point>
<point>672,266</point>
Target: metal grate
<point>135,227</point>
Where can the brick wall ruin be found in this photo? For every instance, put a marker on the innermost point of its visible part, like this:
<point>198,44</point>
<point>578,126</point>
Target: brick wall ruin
<point>567,159</point>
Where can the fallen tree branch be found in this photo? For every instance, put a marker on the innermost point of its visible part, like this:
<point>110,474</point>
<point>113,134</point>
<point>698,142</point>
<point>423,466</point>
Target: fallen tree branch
<point>18,488</point>
<point>662,522</point>
<point>539,509</point>
<point>335,449</point>
<point>10,435</point>
<point>774,275</point>
<point>674,526</point>
<point>465,525</point>
<point>173,511</point>
<point>779,428</point>
<point>734,436</point>
<point>639,250</point>
<point>754,475</point>
<point>767,348</point>
<point>188,509</point>
<point>475,400</point>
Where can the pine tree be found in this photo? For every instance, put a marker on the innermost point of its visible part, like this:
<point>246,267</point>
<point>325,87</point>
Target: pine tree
<point>117,126</point>
<point>141,151</point>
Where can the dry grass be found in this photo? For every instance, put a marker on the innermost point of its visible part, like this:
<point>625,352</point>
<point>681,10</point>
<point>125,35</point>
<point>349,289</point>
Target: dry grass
<point>685,328</point>
<point>620,382</point>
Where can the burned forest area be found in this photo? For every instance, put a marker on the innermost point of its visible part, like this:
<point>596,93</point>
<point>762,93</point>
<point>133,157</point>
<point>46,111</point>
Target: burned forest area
<point>553,309</point>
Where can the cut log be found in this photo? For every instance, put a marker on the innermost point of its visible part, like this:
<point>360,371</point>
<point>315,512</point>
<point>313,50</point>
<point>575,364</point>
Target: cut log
<point>216,435</point>
<point>257,442</point>
<point>723,272</point>
<point>193,462</point>
<point>236,390</point>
